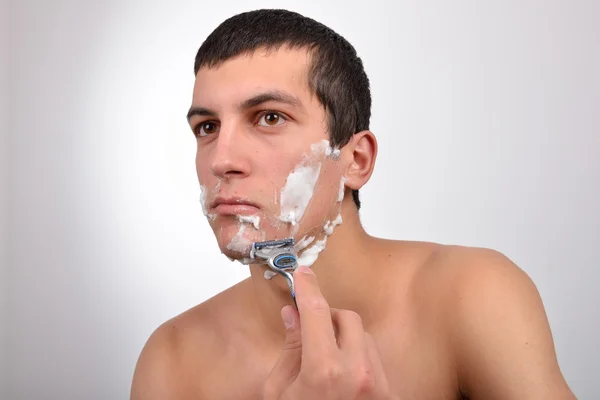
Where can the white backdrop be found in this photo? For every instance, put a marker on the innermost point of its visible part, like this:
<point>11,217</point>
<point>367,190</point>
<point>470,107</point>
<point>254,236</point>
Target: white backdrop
<point>489,130</point>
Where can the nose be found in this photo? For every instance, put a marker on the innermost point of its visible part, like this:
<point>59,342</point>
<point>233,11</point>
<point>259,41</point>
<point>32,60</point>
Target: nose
<point>230,155</point>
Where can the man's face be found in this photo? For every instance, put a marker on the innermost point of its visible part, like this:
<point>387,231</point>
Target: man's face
<point>260,150</point>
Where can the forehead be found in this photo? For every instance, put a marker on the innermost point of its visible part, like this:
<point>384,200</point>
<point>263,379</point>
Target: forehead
<point>283,69</point>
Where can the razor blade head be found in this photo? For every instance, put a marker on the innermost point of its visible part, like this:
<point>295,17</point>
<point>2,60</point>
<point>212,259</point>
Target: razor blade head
<point>278,254</point>
<point>273,244</point>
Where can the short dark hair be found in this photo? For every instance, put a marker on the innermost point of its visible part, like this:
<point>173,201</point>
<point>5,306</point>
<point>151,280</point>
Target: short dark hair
<point>336,74</point>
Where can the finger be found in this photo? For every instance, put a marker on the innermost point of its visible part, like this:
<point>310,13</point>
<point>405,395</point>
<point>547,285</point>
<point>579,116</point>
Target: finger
<point>376,363</point>
<point>350,333</point>
<point>288,365</point>
<point>318,338</point>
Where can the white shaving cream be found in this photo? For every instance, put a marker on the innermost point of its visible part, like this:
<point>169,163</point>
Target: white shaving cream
<point>297,192</point>
<point>203,200</point>
<point>294,199</point>
<point>309,256</point>
<point>250,219</point>
<point>342,189</point>
<point>300,183</point>
<point>203,193</point>
<point>269,274</point>
<point>296,195</point>
<point>323,147</point>
<point>239,243</point>
<point>329,225</point>
<point>303,243</point>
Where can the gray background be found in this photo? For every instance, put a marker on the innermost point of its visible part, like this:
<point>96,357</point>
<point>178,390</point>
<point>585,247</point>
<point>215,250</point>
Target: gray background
<point>489,130</point>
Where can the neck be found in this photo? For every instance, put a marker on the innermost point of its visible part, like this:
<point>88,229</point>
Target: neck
<point>344,271</point>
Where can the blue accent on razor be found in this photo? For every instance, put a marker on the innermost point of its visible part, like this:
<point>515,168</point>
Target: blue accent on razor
<point>280,256</point>
<point>283,261</point>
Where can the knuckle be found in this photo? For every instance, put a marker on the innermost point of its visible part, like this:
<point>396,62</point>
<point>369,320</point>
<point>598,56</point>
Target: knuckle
<point>364,379</point>
<point>325,376</point>
<point>292,344</point>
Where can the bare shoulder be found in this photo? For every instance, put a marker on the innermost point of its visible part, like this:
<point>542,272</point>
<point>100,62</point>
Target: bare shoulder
<point>178,354</point>
<point>496,324</point>
<point>471,271</point>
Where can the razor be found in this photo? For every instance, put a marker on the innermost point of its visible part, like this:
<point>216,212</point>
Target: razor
<point>280,256</point>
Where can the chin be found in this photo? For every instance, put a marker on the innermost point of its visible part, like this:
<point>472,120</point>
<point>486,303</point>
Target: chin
<point>235,240</point>
<point>233,255</point>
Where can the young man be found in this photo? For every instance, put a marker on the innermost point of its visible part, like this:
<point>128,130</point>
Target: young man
<point>280,112</point>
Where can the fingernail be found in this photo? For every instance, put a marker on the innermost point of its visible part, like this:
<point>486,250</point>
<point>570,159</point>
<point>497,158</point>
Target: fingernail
<point>305,270</point>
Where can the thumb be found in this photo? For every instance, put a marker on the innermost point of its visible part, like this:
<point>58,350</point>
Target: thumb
<point>288,365</point>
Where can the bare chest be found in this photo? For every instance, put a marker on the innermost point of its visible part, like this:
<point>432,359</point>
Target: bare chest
<point>417,364</point>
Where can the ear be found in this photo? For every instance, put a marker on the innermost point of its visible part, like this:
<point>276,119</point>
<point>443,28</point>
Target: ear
<point>363,148</point>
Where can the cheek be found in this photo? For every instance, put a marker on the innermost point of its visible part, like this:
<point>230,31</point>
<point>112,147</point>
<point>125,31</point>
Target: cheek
<point>324,205</point>
<point>276,171</point>
<point>201,168</point>
<point>327,190</point>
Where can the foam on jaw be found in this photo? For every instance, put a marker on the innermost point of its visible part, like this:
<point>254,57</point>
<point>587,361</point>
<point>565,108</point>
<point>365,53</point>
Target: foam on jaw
<point>300,184</point>
<point>330,225</point>
<point>297,193</point>
<point>342,189</point>
<point>303,243</point>
<point>310,255</point>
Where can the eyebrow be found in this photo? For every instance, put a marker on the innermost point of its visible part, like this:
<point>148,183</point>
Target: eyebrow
<point>271,95</point>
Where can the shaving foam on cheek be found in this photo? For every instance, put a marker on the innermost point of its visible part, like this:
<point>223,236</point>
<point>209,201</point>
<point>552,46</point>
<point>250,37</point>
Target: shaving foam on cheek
<point>296,195</point>
<point>297,192</point>
<point>300,183</point>
<point>323,147</point>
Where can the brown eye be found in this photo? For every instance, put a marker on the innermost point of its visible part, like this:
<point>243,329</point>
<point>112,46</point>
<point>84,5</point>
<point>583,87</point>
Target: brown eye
<point>271,119</point>
<point>206,128</point>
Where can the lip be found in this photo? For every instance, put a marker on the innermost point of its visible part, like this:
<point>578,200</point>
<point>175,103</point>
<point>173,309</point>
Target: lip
<point>233,206</point>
